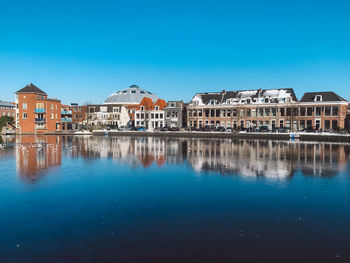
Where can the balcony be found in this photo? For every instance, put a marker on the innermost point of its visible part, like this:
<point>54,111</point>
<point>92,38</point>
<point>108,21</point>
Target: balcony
<point>40,110</point>
<point>40,120</point>
<point>66,119</point>
<point>66,112</point>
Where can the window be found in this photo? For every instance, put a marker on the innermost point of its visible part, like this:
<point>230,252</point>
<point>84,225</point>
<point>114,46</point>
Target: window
<point>318,111</point>
<point>335,111</point>
<point>327,124</point>
<point>24,106</point>
<point>248,101</point>
<point>40,105</point>
<point>212,102</point>
<point>25,115</point>
<point>248,112</point>
<point>52,106</point>
<point>241,114</point>
<point>161,115</point>
<point>273,111</point>
<point>318,98</point>
<point>200,113</point>
<point>334,125</point>
<point>266,100</point>
<point>327,110</point>
<point>51,116</point>
<point>261,112</point>
<point>267,112</point>
<point>282,111</point>
<point>309,111</point>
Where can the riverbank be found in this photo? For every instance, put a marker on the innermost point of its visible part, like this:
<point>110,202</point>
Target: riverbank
<point>322,137</point>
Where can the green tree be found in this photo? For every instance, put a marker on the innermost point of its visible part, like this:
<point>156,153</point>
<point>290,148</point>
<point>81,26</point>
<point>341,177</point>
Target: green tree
<point>4,121</point>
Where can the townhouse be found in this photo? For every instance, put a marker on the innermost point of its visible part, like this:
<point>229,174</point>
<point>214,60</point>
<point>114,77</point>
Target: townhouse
<point>270,107</point>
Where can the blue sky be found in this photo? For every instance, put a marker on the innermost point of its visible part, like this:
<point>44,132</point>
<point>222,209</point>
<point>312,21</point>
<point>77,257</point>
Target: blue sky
<point>82,51</point>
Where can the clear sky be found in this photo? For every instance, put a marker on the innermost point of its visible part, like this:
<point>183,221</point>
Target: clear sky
<point>82,51</point>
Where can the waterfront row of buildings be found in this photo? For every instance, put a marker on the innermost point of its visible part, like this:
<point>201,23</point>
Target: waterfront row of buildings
<point>34,112</point>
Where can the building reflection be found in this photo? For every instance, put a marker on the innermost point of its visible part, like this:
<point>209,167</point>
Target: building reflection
<point>35,155</point>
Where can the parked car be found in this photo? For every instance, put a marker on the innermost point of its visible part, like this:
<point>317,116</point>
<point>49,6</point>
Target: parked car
<point>156,129</point>
<point>173,129</point>
<point>228,130</point>
<point>219,129</point>
<point>283,129</point>
<point>141,129</point>
<point>263,129</point>
<point>164,129</point>
<point>208,128</point>
<point>309,129</point>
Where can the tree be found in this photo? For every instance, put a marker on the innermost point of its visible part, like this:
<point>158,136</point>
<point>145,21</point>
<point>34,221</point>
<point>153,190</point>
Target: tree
<point>4,121</point>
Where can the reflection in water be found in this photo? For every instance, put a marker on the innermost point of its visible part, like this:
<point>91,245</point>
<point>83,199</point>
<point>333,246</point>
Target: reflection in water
<point>36,154</point>
<point>270,159</point>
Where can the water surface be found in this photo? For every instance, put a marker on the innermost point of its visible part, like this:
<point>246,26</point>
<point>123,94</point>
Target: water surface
<point>123,199</point>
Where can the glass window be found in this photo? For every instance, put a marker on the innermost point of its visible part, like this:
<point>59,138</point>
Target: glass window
<point>335,111</point>
<point>309,111</point>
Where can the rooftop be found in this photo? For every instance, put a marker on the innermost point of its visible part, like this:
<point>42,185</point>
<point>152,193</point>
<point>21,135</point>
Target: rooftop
<point>31,88</point>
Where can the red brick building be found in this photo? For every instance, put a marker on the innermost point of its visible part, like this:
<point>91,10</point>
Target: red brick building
<point>35,112</point>
<point>7,109</point>
<point>243,109</point>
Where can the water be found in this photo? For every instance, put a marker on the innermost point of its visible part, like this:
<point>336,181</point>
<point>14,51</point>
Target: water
<point>98,199</point>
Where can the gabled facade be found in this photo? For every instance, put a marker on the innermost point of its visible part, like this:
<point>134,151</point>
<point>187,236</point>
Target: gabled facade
<point>35,112</point>
<point>150,115</point>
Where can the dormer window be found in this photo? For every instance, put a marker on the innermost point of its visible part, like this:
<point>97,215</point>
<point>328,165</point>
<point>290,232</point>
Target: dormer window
<point>266,100</point>
<point>212,102</point>
<point>142,108</point>
<point>318,98</point>
<point>248,101</point>
<point>157,108</point>
<point>228,101</point>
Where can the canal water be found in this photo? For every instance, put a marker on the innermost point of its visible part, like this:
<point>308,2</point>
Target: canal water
<point>126,199</point>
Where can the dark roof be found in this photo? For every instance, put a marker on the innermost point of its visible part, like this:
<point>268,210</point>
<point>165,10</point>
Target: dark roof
<point>7,104</point>
<point>31,88</point>
<point>222,96</point>
<point>326,96</point>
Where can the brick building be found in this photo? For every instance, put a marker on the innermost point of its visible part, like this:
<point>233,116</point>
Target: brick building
<point>322,110</point>
<point>7,109</point>
<point>272,108</point>
<point>35,112</point>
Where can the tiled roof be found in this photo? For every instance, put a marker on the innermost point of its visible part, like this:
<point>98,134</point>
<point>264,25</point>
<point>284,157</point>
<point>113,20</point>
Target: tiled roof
<point>161,103</point>
<point>31,88</point>
<point>326,96</point>
<point>147,103</point>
